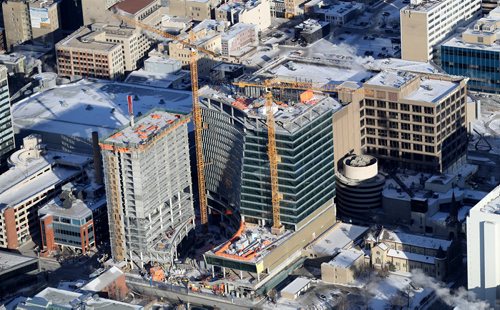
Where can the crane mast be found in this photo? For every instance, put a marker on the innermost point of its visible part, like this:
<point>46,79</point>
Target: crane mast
<point>198,125</point>
<point>273,163</point>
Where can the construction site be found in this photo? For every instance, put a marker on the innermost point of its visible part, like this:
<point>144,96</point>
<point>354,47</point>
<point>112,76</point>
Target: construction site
<point>150,204</point>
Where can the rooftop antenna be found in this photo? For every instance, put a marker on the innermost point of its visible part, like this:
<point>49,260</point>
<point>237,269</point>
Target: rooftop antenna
<point>130,109</point>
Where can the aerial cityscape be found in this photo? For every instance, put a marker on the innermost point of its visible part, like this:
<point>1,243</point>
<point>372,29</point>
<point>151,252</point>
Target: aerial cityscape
<point>250,154</point>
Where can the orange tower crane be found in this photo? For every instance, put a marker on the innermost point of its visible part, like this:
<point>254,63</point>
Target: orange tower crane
<point>193,65</point>
<point>274,157</point>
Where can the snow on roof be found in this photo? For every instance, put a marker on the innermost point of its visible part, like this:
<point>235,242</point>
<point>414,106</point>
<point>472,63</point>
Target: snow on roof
<point>401,64</point>
<point>338,238</point>
<point>154,79</point>
<point>339,9</point>
<point>489,204</point>
<point>296,285</point>
<point>34,175</point>
<point>432,90</point>
<point>394,79</point>
<point>104,280</point>
<point>10,260</point>
<point>413,240</point>
<point>346,258</point>
<point>237,29</point>
<point>314,71</point>
<point>79,108</point>
<point>411,256</point>
<point>65,298</point>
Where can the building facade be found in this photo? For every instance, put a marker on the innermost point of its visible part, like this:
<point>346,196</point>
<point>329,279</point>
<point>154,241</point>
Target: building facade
<point>6,131</point>
<point>70,222</point>
<point>257,13</point>
<point>36,177</point>
<point>148,186</point>
<point>483,249</point>
<point>415,121</point>
<point>238,179</point>
<point>101,51</point>
<point>238,38</point>
<point>426,23</point>
<point>16,19</point>
<point>359,187</point>
<point>476,54</point>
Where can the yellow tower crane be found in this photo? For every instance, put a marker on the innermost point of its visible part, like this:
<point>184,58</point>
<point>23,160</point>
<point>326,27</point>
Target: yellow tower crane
<point>274,157</point>
<point>193,65</point>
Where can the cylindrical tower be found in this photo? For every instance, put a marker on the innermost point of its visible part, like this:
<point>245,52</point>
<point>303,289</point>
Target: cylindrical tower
<point>359,187</point>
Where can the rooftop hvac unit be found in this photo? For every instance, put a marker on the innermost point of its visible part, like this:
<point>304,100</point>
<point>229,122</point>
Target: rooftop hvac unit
<point>415,2</point>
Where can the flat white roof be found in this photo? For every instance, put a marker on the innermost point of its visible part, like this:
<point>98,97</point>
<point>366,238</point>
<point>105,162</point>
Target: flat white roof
<point>346,258</point>
<point>296,285</point>
<point>10,260</point>
<point>102,281</point>
<point>431,90</point>
<point>411,256</point>
<point>414,240</point>
<point>79,108</point>
<point>338,238</point>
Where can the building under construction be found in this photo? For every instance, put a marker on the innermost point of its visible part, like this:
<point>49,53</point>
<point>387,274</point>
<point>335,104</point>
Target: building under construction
<point>149,189</point>
<point>235,144</point>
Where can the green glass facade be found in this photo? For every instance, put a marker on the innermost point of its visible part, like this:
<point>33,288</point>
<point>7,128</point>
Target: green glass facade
<point>237,164</point>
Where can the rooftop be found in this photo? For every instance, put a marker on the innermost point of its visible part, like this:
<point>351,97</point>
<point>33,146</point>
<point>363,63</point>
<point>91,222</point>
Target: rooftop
<point>296,285</point>
<point>490,203</point>
<point>413,240</point>
<point>72,208</point>
<point>323,71</point>
<point>400,64</point>
<point>9,261</point>
<point>346,258</point>
<point>394,79</point>
<point>68,299</point>
<point>425,5</point>
<point>432,90</point>
<point>79,108</point>
<point>288,117</point>
<point>133,6</point>
<point>236,29</point>
<point>145,128</point>
<point>411,256</point>
<point>104,280</point>
<point>338,238</point>
<point>32,174</point>
<point>85,38</point>
<point>311,25</point>
<point>159,80</point>
<point>339,9</point>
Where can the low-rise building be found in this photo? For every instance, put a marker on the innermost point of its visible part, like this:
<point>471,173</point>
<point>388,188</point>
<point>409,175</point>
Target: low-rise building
<point>295,288</point>
<point>398,251</point>
<point>338,13</point>
<point>75,223</point>
<point>102,51</point>
<point>145,11</point>
<point>483,249</point>
<point>312,30</point>
<point>344,267</point>
<point>35,176</point>
<point>476,54</point>
<point>207,35</point>
<point>239,39</point>
<point>255,12</point>
<point>53,298</point>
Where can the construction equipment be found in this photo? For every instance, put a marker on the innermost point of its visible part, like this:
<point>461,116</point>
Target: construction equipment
<point>193,65</point>
<point>274,157</point>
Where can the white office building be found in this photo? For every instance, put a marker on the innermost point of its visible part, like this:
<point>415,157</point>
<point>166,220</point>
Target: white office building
<point>483,248</point>
<point>425,23</point>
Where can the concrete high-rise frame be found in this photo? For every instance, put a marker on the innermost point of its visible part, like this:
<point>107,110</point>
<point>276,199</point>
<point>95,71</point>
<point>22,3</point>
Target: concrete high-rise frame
<point>148,188</point>
<point>6,131</point>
